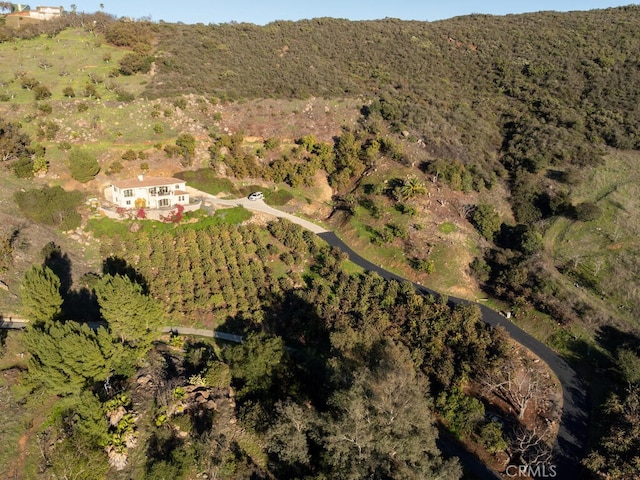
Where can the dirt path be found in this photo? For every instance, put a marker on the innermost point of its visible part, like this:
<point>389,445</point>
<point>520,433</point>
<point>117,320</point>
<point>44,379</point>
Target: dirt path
<point>16,471</point>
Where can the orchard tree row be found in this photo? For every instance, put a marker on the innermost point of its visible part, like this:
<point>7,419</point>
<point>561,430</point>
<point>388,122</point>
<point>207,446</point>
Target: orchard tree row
<point>213,272</point>
<point>340,375</point>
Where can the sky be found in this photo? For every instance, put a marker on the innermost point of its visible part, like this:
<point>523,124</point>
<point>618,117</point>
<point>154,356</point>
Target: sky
<point>261,12</point>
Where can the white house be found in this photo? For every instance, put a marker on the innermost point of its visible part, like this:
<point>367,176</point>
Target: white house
<point>23,15</point>
<point>46,13</point>
<point>149,192</point>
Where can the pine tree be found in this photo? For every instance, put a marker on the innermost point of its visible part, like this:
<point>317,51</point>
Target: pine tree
<point>40,292</point>
<point>133,316</point>
<point>66,357</point>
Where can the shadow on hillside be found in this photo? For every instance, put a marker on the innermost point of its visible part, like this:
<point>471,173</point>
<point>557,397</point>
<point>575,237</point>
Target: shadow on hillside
<point>305,335</point>
<point>60,263</point>
<point>79,304</point>
<point>119,266</point>
<point>3,335</point>
<point>613,340</point>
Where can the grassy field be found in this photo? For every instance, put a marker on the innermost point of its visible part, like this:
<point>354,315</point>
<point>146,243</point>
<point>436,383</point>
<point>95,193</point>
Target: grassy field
<point>70,59</point>
<point>601,257</point>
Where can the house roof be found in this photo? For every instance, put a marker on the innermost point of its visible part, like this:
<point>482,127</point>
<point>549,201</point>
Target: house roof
<point>180,192</point>
<point>146,182</point>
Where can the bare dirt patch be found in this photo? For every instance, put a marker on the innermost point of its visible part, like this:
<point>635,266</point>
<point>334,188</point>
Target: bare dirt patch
<point>288,119</point>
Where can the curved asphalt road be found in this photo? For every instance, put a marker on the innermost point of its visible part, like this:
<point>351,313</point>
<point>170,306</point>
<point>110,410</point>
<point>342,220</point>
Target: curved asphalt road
<point>572,436</point>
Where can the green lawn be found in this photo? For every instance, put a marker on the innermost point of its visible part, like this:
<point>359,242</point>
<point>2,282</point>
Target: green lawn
<point>206,180</point>
<point>108,227</point>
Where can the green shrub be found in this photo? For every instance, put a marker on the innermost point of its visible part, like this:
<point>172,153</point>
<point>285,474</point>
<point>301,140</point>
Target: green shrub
<point>180,103</point>
<point>48,130</point>
<point>51,206</point>
<point>491,437</point>
<point>587,211</point>
<point>271,143</point>
<point>115,167</point>
<point>129,155</point>
<point>83,165</point>
<point>486,220</point>
<point>461,412</point>
<point>124,96</point>
<point>29,83</point>
<point>41,92</point>
<point>423,265</point>
<point>90,91</point>
<point>398,231</point>
<point>133,63</point>
<point>45,108</point>
<point>23,168</point>
<point>480,269</point>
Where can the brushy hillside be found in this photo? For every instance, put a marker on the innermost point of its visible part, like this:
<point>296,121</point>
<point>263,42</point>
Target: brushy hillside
<point>460,76</point>
<point>483,156</point>
<point>510,111</point>
<point>529,101</point>
<point>515,112</point>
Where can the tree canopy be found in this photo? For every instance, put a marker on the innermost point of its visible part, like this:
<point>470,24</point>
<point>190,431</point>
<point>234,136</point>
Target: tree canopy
<point>83,165</point>
<point>40,294</point>
<point>132,316</point>
<point>67,357</point>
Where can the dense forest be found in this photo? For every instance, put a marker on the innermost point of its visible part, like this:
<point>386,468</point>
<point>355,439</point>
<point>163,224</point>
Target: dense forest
<point>520,120</point>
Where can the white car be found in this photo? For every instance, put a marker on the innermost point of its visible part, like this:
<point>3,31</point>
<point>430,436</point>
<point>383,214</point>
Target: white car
<point>256,196</point>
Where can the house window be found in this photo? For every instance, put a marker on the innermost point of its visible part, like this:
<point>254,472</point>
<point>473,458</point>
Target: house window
<point>128,202</point>
<point>181,198</point>
<point>152,190</point>
<point>163,190</point>
<point>128,193</point>
<point>164,202</point>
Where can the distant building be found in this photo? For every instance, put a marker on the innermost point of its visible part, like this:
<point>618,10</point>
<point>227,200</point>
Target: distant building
<point>23,15</point>
<point>149,192</point>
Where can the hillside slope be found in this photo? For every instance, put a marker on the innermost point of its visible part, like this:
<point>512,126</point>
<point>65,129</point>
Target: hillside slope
<point>486,157</point>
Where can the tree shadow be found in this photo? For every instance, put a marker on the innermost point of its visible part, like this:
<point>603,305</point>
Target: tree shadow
<point>81,305</point>
<point>612,339</point>
<point>293,318</point>
<point>202,420</point>
<point>60,263</point>
<point>162,444</point>
<point>119,266</point>
<point>3,334</point>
